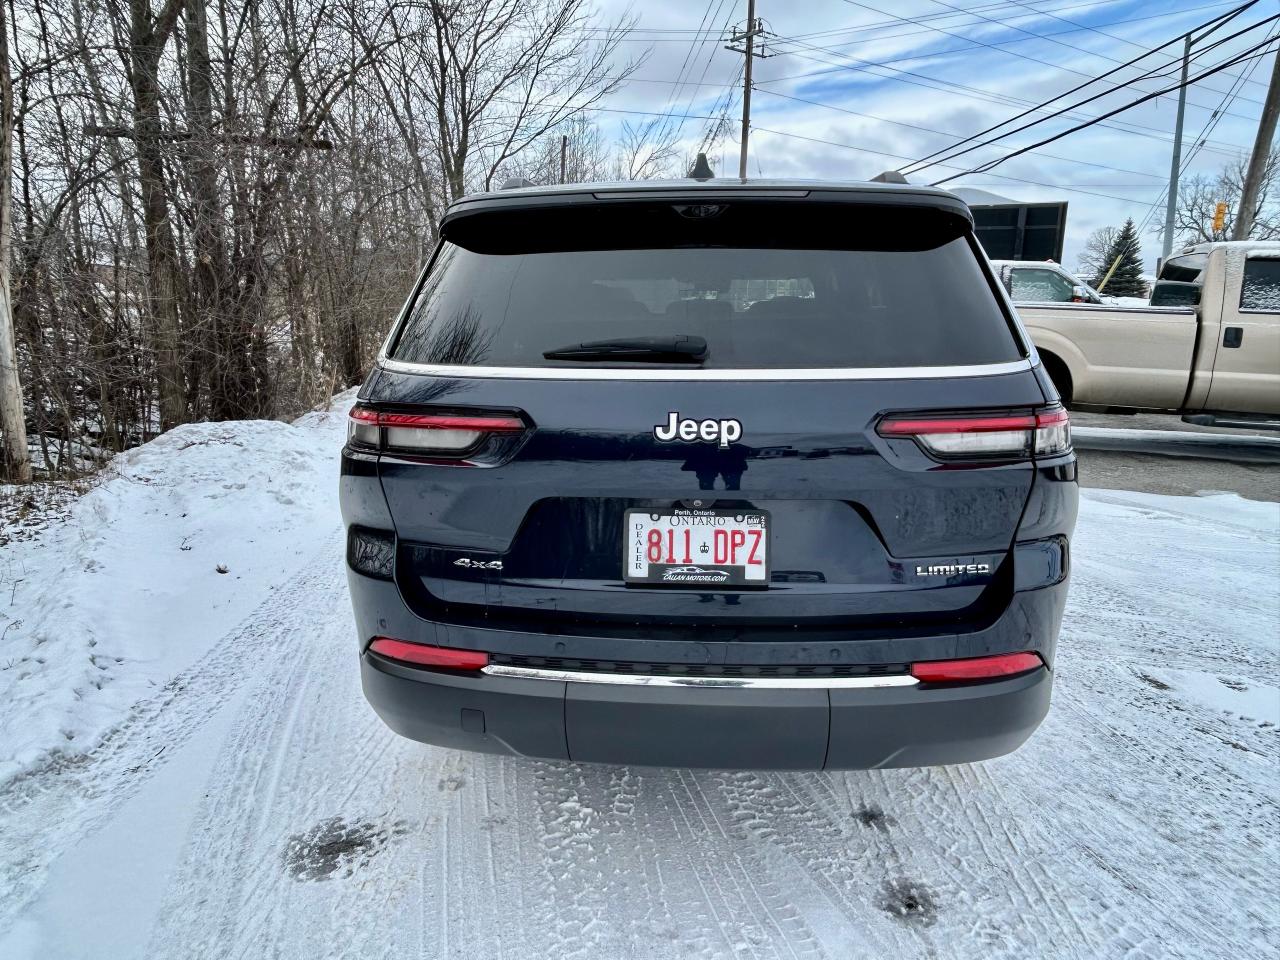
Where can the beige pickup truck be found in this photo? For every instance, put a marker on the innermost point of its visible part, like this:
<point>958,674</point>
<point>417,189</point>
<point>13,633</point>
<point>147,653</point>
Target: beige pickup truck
<point>1208,344</point>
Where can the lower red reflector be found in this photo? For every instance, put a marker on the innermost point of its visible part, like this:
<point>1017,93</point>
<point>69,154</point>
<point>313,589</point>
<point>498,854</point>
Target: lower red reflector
<point>975,668</point>
<point>444,658</point>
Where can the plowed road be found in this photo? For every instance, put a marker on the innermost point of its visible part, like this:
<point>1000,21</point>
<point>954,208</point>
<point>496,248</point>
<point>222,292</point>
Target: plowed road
<point>255,807</point>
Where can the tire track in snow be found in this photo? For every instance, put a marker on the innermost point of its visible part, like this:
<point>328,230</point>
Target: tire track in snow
<point>658,868</point>
<point>77,792</point>
<point>1119,867</point>
<point>835,863</point>
<point>1198,862</point>
<point>780,925</point>
<point>1016,851</point>
<point>480,885</point>
<point>305,759</point>
<point>566,828</point>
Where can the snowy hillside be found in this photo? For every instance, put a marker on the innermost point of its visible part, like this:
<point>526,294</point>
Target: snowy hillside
<point>103,609</point>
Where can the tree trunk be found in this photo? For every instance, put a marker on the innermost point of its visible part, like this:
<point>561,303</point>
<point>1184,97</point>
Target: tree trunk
<point>164,280</point>
<point>209,271</point>
<point>16,460</point>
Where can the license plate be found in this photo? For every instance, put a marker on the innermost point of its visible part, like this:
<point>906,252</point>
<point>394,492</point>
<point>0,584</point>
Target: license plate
<point>694,548</point>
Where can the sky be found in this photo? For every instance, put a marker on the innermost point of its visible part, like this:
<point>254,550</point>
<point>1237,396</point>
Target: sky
<point>850,89</point>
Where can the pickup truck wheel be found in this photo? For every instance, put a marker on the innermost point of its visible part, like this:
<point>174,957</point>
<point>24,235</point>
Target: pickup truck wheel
<point>1059,374</point>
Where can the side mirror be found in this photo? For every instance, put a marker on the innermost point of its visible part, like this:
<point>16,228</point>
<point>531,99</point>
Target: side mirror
<point>1175,293</point>
<point>1078,295</point>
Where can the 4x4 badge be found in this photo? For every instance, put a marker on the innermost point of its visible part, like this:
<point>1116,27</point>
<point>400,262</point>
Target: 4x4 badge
<point>478,564</point>
<point>688,430</point>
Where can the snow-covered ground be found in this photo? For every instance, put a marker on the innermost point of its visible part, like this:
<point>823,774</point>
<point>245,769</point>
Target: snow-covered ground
<point>188,769</point>
<point>176,543</point>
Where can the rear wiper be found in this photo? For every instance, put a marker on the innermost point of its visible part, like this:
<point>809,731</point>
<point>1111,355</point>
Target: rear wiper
<point>672,349</point>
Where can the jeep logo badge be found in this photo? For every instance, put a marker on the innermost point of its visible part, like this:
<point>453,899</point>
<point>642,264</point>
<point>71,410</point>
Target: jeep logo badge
<point>723,432</point>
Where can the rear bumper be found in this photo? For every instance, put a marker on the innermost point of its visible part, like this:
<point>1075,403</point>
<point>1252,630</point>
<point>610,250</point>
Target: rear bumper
<point>801,728</point>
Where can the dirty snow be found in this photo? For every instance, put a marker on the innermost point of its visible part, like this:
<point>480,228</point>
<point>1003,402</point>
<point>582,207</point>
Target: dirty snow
<point>227,793</point>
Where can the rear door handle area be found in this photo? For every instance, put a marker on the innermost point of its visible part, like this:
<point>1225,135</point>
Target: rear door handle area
<point>1233,336</point>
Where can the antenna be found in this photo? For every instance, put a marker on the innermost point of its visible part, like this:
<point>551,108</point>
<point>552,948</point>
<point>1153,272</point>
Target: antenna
<point>701,170</point>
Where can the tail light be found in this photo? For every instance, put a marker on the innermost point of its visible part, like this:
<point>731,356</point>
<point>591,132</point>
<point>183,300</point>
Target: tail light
<point>446,435</point>
<point>985,436</point>
<point>424,655</point>
<point>975,668</point>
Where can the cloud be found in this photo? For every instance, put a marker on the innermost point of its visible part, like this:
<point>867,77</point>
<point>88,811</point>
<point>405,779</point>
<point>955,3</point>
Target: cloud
<point>937,85</point>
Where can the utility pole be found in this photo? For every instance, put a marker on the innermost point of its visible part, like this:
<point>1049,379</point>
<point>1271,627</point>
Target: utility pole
<point>564,154</point>
<point>747,37</point>
<point>1172,204</point>
<point>1261,154</point>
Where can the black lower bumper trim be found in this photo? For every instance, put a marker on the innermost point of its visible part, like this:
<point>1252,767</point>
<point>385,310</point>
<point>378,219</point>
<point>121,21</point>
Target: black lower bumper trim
<point>807,729</point>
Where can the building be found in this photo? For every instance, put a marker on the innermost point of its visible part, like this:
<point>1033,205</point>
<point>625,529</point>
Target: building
<point>1010,230</point>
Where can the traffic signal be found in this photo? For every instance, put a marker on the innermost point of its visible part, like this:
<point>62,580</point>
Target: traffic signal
<point>1219,216</point>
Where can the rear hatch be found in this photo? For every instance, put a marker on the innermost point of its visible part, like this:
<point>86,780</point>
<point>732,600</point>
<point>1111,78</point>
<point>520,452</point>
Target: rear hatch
<point>739,362</point>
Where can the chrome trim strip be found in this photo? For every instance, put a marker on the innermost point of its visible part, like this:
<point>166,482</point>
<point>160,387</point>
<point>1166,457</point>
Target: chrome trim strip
<point>669,373</point>
<point>1102,308</point>
<point>750,683</point>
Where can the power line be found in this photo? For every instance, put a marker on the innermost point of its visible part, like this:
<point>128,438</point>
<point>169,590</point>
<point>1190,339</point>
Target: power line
<point>992,7</point>
<point>1128,106</point>
<point>952,153</point>
<point>972,93</point>
<point>694,44</point>
<point>943,133</point>
<point>935,54</point>
<point>896,156</point>
<point>845,146</point>
<point>1212,122</point>
<point>1092,78</point>
<point>1052,14</point>
<point>1095,53</point>
<point>715,131</point>
<point>981,94</point>
<point>710,57</point>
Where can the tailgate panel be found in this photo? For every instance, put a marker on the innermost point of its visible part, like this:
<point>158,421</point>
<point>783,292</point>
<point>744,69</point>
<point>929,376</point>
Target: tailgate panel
<point>852,514</point>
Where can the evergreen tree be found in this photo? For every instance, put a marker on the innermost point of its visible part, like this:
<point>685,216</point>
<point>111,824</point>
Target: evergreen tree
<point>1126,279</point>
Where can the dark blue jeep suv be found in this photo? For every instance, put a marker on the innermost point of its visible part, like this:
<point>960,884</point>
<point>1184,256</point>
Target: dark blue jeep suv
<point>713,474</point>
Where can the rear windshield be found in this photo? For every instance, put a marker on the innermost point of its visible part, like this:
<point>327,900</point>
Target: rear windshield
<point>766,287</point>
<point>1185,269</point>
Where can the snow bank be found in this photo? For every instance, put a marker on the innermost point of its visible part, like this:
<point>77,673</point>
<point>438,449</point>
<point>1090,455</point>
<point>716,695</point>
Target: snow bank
<point>100,609</point>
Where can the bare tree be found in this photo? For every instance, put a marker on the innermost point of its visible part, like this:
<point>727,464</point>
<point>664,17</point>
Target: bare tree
<point>149,34</point>
<point>502,73</point>
<point>1094,260</point>
<point>16,462</point>
<point>1199,196</point>
<point>218,205</point>
<point>647,150</point>
<point>587,156</point>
